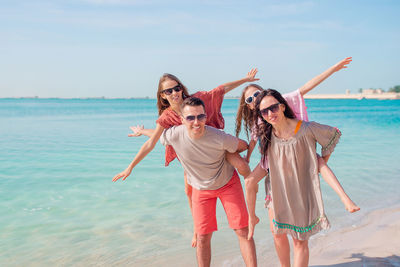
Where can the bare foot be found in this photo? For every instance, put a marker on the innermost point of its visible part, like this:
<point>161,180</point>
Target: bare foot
<point>194,240</point>
<point>252,224</point>
<point>350,205</point>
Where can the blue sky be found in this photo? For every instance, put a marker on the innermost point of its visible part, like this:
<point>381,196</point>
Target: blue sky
<point>120,48</point>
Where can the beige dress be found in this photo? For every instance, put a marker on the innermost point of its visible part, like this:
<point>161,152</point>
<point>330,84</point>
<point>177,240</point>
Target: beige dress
<point>295,185</point>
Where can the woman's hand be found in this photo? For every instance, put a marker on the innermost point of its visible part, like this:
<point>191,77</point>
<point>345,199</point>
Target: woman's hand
<point>137,130</point>
<point>251,75</point>
<point>122,175</point>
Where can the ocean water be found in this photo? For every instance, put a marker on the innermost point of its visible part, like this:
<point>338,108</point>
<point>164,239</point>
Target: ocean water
<point>59,206</point>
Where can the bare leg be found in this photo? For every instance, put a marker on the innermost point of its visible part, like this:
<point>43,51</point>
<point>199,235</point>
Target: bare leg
<point>247,247</point>
<point>333,182</point>
<point>281,243</point>
<point>251,185</point>
<point>239,163</point>
<point>188,192</point>
<point>204,250</point>
<point>301,253</point>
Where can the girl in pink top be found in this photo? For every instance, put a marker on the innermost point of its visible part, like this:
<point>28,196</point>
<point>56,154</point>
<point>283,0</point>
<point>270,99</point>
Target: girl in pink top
<point>295,100</point>
<point>170,95</point>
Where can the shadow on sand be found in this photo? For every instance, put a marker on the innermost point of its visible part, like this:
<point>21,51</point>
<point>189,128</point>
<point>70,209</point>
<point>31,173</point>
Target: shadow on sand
<point>364,261</point>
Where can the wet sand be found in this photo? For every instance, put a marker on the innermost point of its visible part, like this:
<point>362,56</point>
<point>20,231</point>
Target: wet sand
<point>373,241</point>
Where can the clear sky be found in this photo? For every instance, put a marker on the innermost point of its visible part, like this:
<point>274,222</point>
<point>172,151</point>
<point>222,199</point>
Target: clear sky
<point>120,48</point>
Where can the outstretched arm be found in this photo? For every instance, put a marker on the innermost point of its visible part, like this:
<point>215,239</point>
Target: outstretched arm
<point>251,185</point>
<point>311,84</point>
<point>139,130</point>
<point>250,77</point>
<point>146,148</point>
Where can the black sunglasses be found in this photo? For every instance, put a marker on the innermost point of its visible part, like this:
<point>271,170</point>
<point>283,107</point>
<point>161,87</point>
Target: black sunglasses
<point>274,108</point>
<point>250,99</point>
<point>169,90</point>
<point>200,117</point>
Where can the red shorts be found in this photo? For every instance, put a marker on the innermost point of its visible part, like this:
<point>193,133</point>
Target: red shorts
<point>204,204</point>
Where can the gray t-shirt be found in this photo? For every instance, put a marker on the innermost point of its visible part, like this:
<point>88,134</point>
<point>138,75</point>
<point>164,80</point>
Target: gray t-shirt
<point>203,159</point>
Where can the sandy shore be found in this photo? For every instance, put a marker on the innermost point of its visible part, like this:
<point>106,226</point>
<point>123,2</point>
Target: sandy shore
<point>373,241</point>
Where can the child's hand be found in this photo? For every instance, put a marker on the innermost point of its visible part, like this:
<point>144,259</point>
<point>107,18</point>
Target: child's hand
<point>343,63</point>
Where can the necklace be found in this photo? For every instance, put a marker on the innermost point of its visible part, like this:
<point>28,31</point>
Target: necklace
<point>286,135</point>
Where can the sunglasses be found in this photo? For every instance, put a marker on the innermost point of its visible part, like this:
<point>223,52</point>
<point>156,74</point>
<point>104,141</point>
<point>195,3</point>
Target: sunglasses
<point>273,108</point>
<point>250,99</point>
<point>200,117</point>
<point>169,90</point>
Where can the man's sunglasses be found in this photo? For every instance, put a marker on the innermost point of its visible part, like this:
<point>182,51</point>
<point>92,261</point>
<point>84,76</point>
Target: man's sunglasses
<point>250,99</point>
<point>168,91</point>
<point>200,117</point>
<point>273,108</point>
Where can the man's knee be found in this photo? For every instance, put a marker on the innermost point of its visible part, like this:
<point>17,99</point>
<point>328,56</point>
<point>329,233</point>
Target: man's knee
<point>203,240</point>
<point>243,232</point>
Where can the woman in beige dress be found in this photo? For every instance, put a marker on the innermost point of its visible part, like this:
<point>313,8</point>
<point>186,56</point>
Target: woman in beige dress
<point>289,145</point>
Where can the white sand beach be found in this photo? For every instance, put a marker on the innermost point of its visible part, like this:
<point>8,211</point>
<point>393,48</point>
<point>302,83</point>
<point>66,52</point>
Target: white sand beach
<point>374,241</point>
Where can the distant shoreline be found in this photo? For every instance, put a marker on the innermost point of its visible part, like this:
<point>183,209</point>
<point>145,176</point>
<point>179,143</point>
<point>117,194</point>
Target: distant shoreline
<point>382,96</point>
<point>353,96</point>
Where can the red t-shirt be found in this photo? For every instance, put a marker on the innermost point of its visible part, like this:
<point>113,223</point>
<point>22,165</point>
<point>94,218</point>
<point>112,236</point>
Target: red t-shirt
<point>212,101</point>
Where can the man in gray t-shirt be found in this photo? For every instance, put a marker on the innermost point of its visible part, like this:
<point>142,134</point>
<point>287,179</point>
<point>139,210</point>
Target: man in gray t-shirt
<point>203,158</point>
<point>201,150</point>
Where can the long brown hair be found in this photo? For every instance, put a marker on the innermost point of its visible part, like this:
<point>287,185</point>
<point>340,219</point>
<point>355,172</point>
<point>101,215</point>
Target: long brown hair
<point>245,113</point>
<point>264,129</point>
<point>162,103</point>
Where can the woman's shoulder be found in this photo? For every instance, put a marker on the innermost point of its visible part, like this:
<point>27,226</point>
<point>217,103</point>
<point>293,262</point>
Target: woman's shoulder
<point>219,90</point>
<point>314,124</point>
<point>308,126</point>
<point>164,114</point>
<point>168,118</point>
<point>319,129</point>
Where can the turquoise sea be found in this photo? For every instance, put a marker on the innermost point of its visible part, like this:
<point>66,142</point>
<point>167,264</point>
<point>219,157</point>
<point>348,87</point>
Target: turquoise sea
<point>59,207</point>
